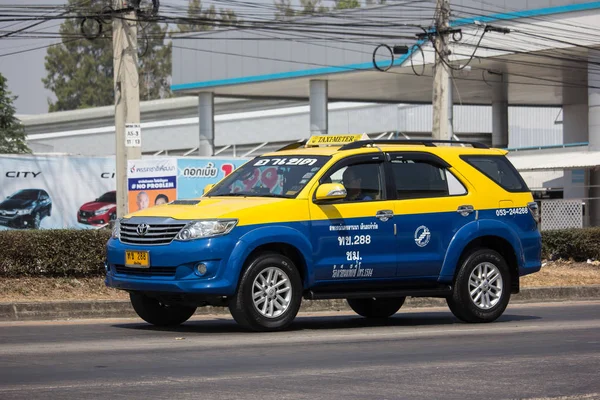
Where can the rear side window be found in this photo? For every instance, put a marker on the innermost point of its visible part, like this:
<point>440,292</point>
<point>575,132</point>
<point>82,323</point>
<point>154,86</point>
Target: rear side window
<point>417,179</point>
<point>500,170</point>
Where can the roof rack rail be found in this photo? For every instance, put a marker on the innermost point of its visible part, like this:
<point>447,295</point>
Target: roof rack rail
<point>292,146</point>
<point>428,143</point>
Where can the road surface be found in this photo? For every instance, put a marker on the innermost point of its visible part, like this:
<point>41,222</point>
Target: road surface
<point>534,351</point>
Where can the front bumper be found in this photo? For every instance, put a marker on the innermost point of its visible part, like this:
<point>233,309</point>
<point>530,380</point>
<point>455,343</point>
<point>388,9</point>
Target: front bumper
<point>16,221</point>
<point>173,267</point>
<point>94,219</point>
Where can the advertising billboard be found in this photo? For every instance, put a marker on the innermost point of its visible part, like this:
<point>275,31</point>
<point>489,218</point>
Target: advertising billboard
<point>151,182</point>
<point>195,173</point>
<point>56,191</point>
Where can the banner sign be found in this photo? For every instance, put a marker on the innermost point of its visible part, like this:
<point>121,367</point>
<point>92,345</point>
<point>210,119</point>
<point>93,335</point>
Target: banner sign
<point>150,182</point>
<point>56,192</point>
<point>194,174</point>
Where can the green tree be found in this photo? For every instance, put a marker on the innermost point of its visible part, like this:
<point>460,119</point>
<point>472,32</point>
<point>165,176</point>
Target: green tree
<point>12,134</point>
<point>311,7</point>
<point>206,18</point>
<point>285,9</point>
<point>346,4</point>
<point>80,71</point>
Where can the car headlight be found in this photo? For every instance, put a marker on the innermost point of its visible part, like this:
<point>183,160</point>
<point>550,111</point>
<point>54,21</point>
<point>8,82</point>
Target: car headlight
<point>101,211</point>
<point>204,229</point>
<point>116,232</point>
<point>24,212</point>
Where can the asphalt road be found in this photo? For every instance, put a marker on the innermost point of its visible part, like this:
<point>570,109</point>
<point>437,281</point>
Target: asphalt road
<point>533,351</point>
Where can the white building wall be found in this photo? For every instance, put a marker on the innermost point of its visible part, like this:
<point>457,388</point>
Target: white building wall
<point>528,127</point>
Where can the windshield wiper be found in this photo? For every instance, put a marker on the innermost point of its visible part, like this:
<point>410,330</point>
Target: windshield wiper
<point>251,195</point>
<point>230,194</point>
<point>281,196</point>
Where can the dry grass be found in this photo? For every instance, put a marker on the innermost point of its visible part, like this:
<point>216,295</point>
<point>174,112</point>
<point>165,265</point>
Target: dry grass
<point>44,289</point>
<point>562,273</point>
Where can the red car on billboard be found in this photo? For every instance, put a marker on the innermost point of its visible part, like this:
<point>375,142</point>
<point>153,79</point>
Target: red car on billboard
<point>100,211</point>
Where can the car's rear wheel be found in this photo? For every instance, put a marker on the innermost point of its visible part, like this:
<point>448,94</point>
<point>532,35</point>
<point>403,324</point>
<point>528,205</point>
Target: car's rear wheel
<point>481,288</point>
<point>382,307</point>
<point>269,294</point>
<point>157,313</point>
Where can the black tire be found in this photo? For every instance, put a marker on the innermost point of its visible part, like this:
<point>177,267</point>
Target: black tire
<point>462,305</point>
<point>382,307</point>
<point>156,313</point>
<point>242,306</point>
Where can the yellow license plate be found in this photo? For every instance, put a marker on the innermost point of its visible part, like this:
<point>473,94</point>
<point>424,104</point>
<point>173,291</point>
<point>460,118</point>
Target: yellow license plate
<point>138,259</point>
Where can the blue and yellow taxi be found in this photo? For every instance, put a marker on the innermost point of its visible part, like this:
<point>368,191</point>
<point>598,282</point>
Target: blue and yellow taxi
<point>336,217</point>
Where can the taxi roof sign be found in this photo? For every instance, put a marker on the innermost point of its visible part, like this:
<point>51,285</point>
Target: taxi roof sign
<point>335,140</point>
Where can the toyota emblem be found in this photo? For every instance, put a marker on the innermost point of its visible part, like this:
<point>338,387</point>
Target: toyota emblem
<point>142,229</point>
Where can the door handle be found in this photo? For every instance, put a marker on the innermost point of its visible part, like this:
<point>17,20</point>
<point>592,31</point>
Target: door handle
<point>465,210</point>
<point>384,215</point>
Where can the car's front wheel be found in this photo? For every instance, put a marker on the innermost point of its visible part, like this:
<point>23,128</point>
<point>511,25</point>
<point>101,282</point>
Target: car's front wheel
<point>36,220</point>
<point>157,313</point>
<point>382,307</point>
<point>269,294</point>
<point>481,288</point>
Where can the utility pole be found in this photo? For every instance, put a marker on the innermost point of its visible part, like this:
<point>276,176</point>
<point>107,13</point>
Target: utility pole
<point>127,97</point>
<point>442,87</point>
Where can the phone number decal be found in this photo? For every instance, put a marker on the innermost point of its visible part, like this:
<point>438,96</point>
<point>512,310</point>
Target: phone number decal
<point>503,212</point>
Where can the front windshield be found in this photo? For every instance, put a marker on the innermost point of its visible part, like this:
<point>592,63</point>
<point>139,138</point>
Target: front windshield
<point>26,195</point>
<point>110,197</point>
<point>270,177</point>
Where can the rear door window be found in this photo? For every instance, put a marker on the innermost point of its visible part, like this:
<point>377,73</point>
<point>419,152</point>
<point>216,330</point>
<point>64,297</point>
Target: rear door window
<point>498,169</point>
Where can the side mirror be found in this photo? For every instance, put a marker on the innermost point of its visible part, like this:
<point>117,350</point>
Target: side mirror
<point>207,188</point>
<point>330,191</point>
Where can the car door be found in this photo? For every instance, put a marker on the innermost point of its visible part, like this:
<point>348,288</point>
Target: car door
<point>431,205</point>
<point>353,239</point>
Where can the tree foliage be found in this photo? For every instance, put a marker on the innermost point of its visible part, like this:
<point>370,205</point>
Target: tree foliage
<point>80,71</point>
<point>346,4</point>
<point>12,134</point>
<point>205,19</point>
<point>285,9</point>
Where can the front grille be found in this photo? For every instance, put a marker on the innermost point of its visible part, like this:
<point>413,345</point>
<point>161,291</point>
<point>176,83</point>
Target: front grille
<point>86,214</point>
<point>156,234</point>
<point>152,271</point>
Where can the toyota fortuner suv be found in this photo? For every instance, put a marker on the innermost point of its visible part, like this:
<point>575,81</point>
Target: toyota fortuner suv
<point>369,221</point>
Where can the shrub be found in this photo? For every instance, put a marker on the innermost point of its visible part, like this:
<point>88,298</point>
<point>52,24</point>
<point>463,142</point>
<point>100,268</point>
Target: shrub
<point>53,253</point>
<point>578,244</point>
<point>81,253</point>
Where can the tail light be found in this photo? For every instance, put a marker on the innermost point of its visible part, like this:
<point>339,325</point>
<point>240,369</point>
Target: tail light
<point>534,208</point>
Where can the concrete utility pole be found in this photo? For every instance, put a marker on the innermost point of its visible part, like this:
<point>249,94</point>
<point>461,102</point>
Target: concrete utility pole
<point>127,98</point>
<point>442,88</point>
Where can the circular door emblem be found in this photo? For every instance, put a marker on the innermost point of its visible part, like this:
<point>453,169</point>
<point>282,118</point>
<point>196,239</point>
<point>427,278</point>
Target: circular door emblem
<point>422,236</point>
<point>142,229</point>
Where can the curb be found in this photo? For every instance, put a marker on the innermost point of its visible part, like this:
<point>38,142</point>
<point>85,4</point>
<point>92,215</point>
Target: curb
<point>67,310</point>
